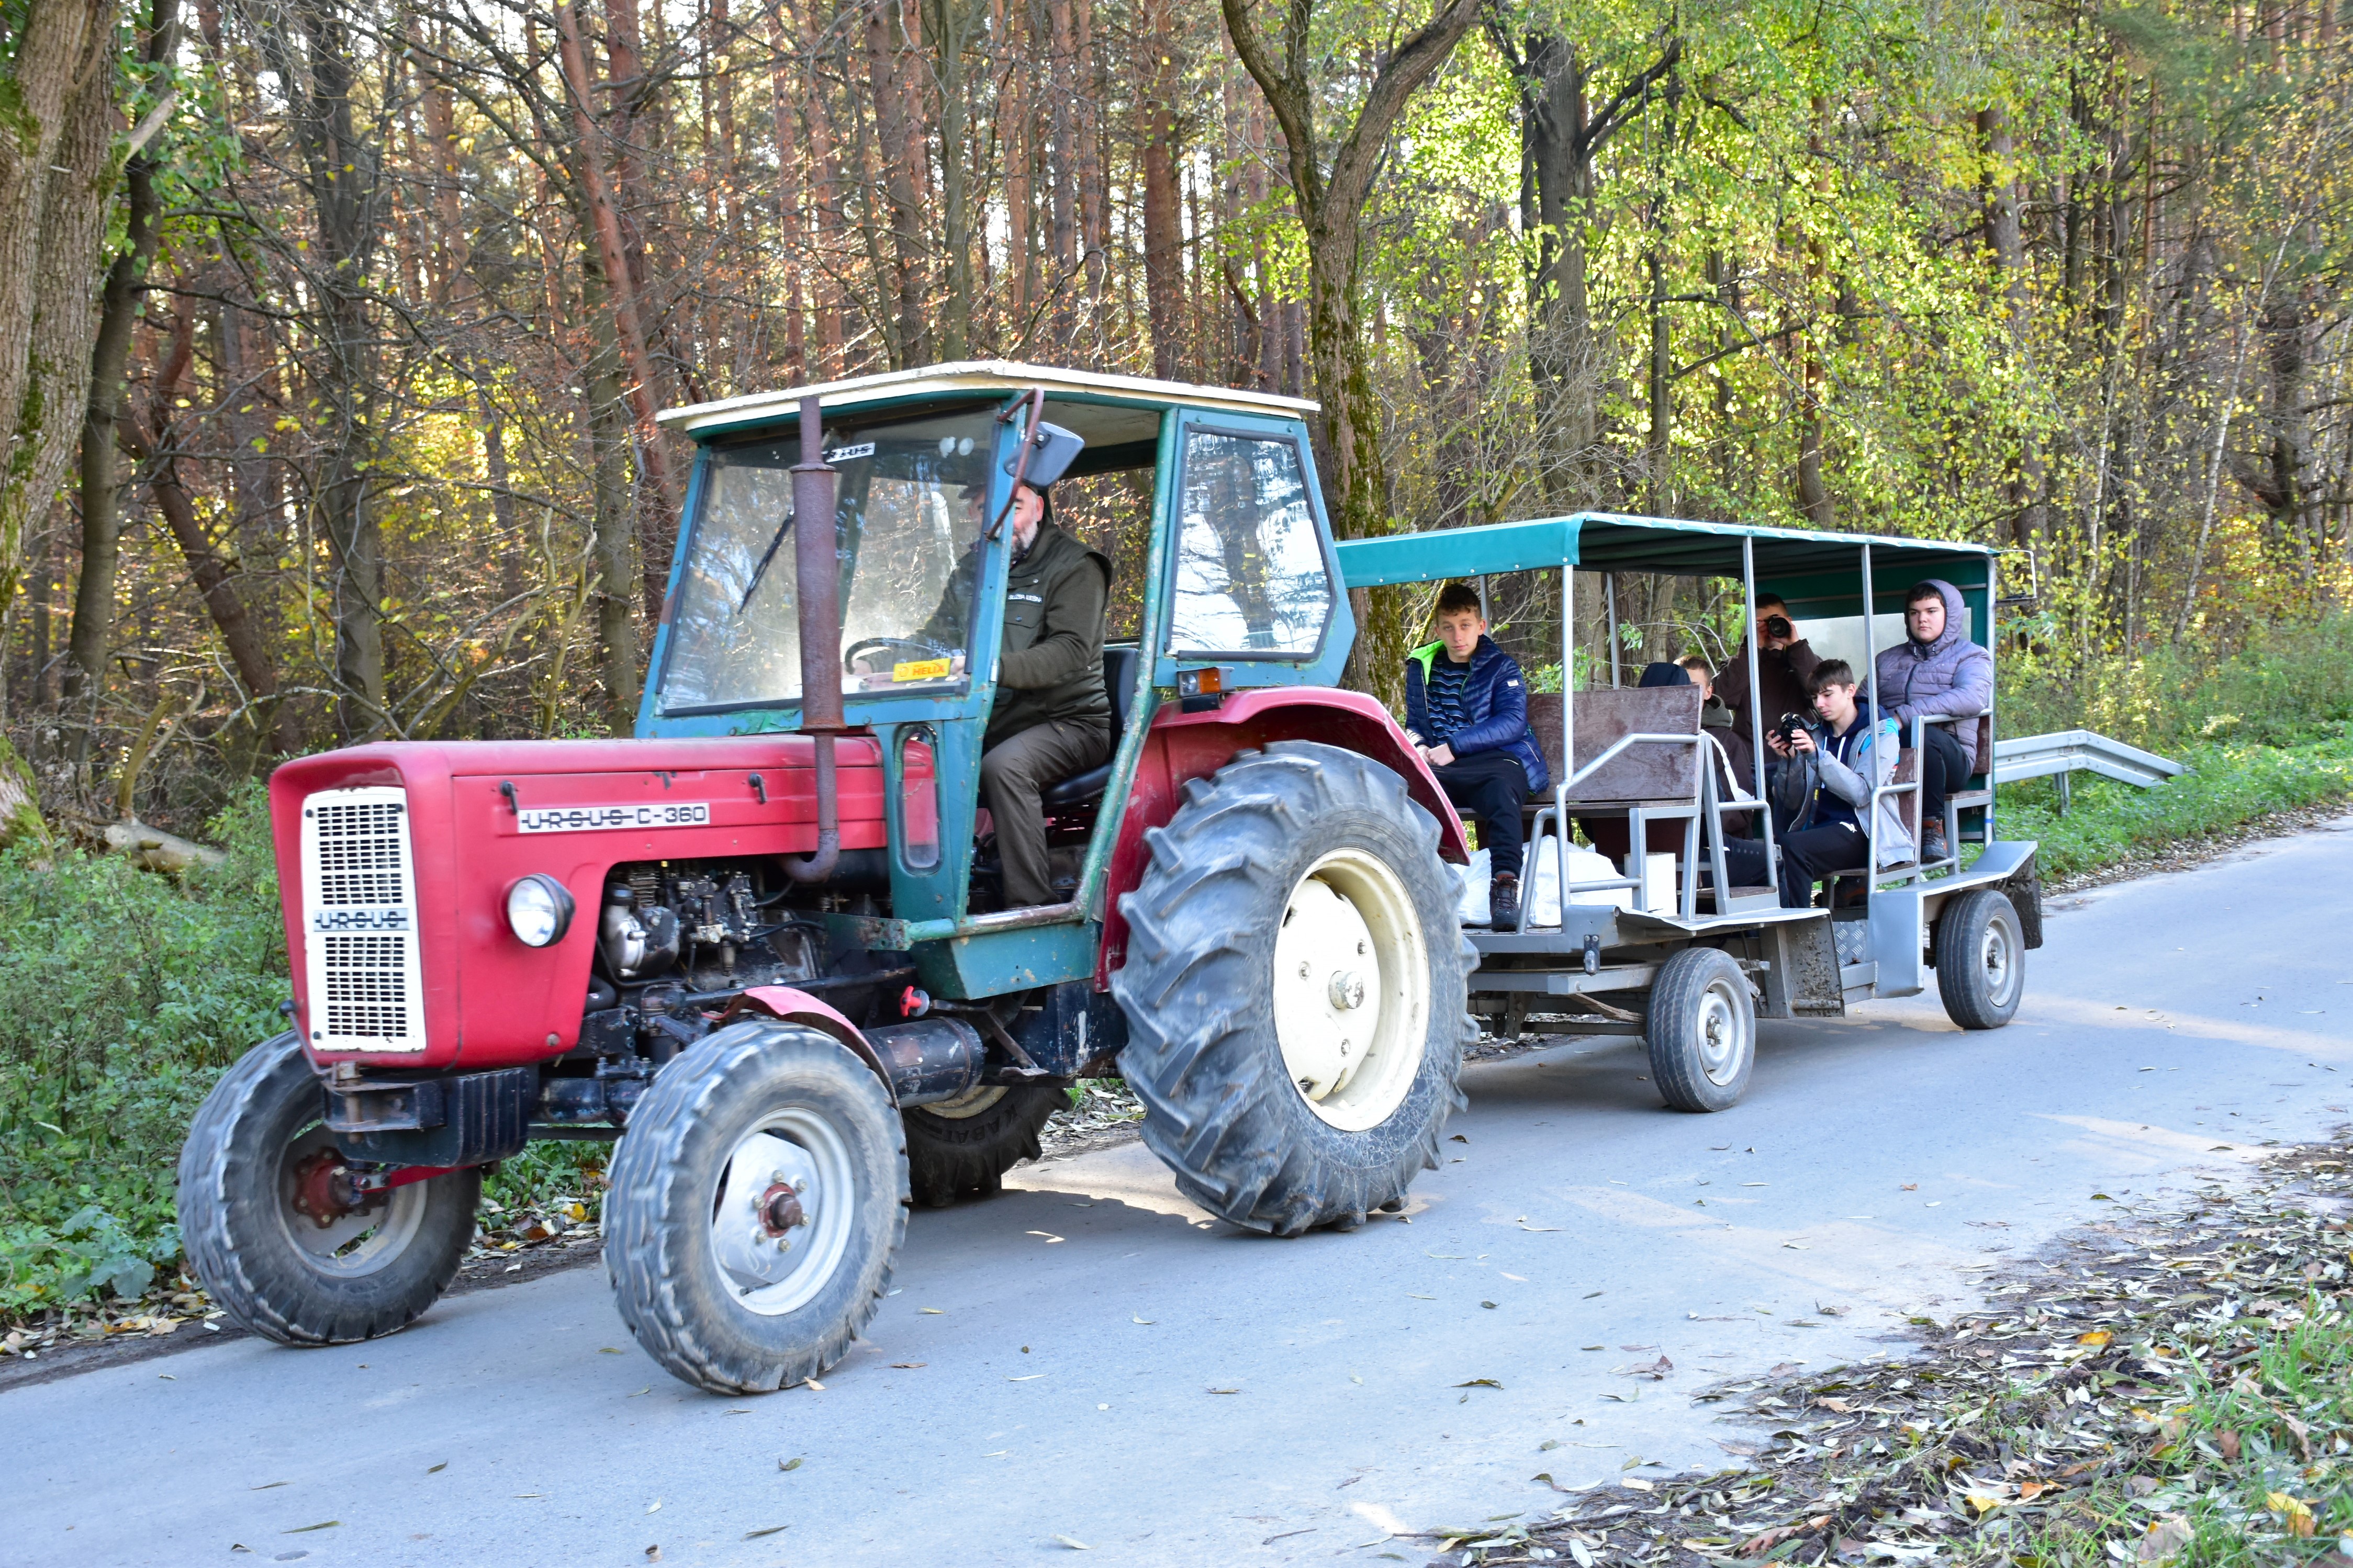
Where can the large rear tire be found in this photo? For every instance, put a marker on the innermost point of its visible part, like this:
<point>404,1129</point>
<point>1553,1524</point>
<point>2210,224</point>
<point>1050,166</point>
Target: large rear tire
<point>757,1202</point>
<point>273,1229</point>
<point>1701,1031</point>
<point>1980,959</point>
<point>1295,990</point>
<point>962,1148</point>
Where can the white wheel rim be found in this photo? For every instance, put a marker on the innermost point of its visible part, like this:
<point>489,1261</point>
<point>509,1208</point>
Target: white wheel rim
<point>970,1103</point>
<point>1717,1032</point>
<point>1994,959</point>
<point>352,1245</point>
<point>1351,989</point>
<point>765,1269</point>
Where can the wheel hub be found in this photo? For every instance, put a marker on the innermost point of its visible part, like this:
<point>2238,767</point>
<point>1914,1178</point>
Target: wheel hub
<point>781,1222</point>
<point>780,1209</point>
<point>323,1192</point>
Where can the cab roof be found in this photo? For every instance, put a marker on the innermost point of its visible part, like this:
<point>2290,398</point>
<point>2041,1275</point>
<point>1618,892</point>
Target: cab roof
<point>967,376</point>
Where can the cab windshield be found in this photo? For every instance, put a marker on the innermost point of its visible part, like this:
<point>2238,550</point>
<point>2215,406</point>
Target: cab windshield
<point>911,494</point>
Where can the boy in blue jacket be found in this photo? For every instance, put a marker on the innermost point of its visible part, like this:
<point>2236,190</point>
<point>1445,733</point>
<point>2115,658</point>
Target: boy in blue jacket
<point>1466,707</point>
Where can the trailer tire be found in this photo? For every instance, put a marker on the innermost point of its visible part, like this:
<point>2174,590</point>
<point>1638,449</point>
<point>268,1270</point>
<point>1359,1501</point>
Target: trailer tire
<point>1980,959</point>
<point>681,1256</point>
<point>1701,1031</point>
<point>1318,858</point>
<point>269,1264</point>
<point>959,1151</point>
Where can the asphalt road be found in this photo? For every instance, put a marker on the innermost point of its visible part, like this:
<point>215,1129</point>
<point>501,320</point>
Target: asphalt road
<point>1093,1359</point>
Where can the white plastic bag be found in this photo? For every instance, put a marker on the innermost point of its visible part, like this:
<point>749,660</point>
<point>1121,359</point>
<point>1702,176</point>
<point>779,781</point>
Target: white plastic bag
<point>1473,880</point>
<point>1584,866</point>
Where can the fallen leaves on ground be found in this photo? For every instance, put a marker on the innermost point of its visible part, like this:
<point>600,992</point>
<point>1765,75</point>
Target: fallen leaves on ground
<point>2109,1396</point>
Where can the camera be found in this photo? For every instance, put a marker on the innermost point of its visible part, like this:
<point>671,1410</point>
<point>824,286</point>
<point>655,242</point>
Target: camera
<point>1786,731</point>
<point>1779,627</point>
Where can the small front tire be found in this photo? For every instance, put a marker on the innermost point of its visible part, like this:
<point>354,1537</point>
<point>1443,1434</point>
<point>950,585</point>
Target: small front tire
<point>1701,1031</point>
<point>758,1201</point>
<point>1980,959</point>
<point>272,1227</point>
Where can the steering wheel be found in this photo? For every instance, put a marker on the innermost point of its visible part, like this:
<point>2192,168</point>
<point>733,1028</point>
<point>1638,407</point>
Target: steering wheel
<point>869,645</point>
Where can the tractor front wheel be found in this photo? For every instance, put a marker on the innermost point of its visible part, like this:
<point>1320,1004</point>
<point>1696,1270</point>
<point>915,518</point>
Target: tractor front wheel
<point>278,1233</point>
<point>757,1202</point>
<point>1295,989</point>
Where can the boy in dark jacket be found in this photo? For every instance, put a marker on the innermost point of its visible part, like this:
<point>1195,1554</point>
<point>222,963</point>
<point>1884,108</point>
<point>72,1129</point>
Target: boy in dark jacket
<point>1466,707</point>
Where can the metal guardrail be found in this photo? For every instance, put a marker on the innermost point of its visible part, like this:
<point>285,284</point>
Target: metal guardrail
<point>2071,751</point>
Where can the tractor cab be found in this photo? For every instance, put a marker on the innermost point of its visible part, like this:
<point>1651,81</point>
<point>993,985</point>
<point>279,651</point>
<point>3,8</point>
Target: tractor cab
<point>1235,586</point>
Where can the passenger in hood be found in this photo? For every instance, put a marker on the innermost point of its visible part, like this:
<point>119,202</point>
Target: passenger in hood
<point>1936,670</point>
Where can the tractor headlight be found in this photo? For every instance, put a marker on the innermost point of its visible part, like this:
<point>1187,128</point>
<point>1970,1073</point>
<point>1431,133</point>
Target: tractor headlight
<point>539,910</point>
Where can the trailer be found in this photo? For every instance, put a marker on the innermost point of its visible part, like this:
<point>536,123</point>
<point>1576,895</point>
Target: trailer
<point>1672,950</point>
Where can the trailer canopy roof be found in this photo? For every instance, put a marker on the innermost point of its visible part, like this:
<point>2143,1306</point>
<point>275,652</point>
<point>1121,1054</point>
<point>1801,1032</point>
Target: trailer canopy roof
<point>1609,541</point>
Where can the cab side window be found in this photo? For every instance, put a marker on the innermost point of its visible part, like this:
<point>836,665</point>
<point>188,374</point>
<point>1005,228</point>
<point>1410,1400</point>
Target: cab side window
<point>1251,572</point>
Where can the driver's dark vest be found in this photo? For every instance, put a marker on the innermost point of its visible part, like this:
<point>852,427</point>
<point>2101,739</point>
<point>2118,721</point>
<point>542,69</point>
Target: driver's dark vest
<point>1031,588</point>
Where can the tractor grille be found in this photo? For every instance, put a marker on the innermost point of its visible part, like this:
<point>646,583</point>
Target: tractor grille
<point>359,922</point>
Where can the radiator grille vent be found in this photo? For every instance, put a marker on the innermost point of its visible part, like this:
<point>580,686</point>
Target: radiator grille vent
<point>359,922</point>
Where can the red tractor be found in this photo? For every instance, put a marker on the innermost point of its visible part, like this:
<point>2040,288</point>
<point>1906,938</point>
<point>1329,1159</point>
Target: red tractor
<point>757,944</point>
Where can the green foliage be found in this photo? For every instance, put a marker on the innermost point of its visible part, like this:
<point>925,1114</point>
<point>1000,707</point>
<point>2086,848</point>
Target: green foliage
<point>2288,683</point>
<point>2227,785</point>
<point>122,996</point>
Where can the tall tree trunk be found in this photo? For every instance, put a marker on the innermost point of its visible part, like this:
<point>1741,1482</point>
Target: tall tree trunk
<point>56,180</point>
<point>951,23</point>
<point>346,178</point>
<point>792,196</point>
<point>121,300</point>
<point>612,251</point>
<point>894,134</point>
<point>1164,233</point>
<point>1330,186</point>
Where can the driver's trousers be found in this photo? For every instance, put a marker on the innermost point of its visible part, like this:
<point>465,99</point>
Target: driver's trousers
<point>1014,774</point>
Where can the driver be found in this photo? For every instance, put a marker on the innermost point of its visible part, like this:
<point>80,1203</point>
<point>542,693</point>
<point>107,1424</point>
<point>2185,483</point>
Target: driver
<point>1051,719</point>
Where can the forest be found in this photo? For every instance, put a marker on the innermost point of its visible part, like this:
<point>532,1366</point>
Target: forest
<point>331,332</point>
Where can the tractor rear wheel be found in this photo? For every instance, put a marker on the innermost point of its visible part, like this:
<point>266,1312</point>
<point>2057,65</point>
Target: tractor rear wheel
<point>759,1199</point>
<point>1295,990</point>
<point>276,1231</point>
<point>962,1148</point>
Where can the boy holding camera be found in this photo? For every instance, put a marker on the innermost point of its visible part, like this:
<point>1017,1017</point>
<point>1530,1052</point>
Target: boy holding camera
<point>1850,760</point>
<point>1466,707</point>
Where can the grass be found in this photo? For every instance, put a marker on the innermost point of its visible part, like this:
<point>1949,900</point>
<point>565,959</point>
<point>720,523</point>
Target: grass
<point>2227,785</point>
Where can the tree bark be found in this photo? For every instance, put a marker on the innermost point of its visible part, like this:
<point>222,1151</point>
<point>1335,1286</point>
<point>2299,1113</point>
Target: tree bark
<point>1164,233</point>
<point>57,172</point>
<point>1330,186</point>
<point>612,250</point>
<point>895,133</point>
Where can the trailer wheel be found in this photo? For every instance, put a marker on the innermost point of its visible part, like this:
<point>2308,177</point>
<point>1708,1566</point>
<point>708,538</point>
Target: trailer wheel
<point>963,1147</point>
<point>1980,959</point>
<point>1701,1031</point>
<point>275,1231</point>
<point>1295,990</point>
<point>757,1202</point>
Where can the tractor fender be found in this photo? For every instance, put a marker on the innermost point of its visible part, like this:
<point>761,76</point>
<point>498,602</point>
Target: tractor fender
<point>1185,746</point>
<point>787,1006</point>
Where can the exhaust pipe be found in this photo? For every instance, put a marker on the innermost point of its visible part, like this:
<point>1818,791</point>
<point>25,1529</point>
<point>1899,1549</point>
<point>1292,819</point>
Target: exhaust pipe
<point>930,1060</point>
<point>817,564</point>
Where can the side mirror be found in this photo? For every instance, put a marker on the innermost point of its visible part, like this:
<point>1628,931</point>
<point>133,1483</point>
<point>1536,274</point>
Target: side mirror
<point>1052,450</point>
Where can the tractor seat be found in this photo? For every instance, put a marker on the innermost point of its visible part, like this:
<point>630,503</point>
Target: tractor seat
<point>1120,661</point>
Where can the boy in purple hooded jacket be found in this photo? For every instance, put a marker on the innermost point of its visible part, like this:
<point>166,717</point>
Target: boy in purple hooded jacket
<point>1936,670</point>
